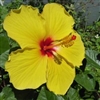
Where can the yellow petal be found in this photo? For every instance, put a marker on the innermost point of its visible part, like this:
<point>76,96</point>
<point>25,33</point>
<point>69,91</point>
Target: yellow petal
<point>75,53</point>
<point>27,69</point>
<point>25,26</point>
<point>59,77</point>
<point>58,21</point>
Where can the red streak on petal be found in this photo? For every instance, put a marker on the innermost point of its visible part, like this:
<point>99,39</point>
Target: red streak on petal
<point>44,44</point>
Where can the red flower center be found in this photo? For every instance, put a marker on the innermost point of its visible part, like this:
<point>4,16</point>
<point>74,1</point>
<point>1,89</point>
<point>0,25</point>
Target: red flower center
<point>47,47</point>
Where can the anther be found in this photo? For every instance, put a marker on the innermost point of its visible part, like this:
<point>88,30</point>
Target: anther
<point>66,41</point>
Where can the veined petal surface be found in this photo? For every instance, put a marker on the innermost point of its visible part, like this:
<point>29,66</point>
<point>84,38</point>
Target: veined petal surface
<point>59,77</point>
<point>25,25</point>
<point>58,22</point>
<point>75,53</point>
<point>27,69</point>
<point>31,66</point>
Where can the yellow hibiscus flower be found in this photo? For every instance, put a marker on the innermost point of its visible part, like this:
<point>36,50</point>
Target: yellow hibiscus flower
<point>50,48</point>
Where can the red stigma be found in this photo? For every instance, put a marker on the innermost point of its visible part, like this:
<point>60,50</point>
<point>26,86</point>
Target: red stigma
<point>44,44</point>
<point>73,37</point>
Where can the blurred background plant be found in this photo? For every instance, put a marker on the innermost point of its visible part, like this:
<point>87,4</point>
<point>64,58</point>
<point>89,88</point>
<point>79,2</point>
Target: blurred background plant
<point>86,85</point>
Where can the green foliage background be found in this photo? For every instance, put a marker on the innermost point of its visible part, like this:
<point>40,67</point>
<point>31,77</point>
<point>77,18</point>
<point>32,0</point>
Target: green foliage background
<point>86,85</point>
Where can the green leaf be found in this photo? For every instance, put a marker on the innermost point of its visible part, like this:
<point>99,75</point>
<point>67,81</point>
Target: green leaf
<point>3,12</point>
<point>47,95</point>
<point>4,44</point>
<point>85,81</point>
<point>13,43</point>
<point>72,94</point>
<point>3,58</point>
<point>92,59</point>
<point>7,94</point>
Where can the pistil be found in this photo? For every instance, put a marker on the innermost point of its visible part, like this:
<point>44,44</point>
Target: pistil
<point>48,45</point>
<point>64,41</point>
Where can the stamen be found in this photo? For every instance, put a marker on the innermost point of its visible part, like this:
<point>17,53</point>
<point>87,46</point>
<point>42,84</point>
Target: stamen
<point>66,41</point>
<point>48,47</point>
